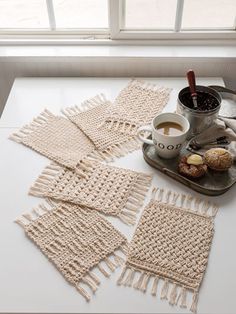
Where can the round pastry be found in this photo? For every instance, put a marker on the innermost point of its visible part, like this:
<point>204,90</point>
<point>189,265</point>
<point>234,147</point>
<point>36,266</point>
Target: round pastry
<point>218,159</point>
<point>192,166</point>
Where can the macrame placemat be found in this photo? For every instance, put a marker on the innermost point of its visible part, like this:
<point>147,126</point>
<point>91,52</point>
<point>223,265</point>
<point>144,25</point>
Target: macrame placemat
<point>113,191</point>
<point>56,138</point>
<point>136,105</point>
<point>77,241</point>
<point>89,117</point>
<point>171,243</point>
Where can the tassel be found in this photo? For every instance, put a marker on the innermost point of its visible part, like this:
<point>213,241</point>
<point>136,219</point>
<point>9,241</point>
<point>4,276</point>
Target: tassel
<point>119,260</point>
<point>138,284</point>
<point>83,293</point>
<point>183,197</point>
<point>173,295</point>
<point>121,277</point>
<point>154,286</point>
<point>28,217</point>
<point>175,198</point>
<point>193,307</point>
<point>154,192</point>
<point>37,211</point>
<point>20,223</point>
<point>91,284</point>
<point>189,201</point>
<point>183,300</point>
<point>130,278</point>
<point>145,282</point>
<point>197,202</point>
<point>164,291</point>
<point>160,196</point>
<point>110,265</point>
<point>94,278</point>
<point>103,271</point>
<point>126,219</point>
<point>132,208</point>
<point>168,194</point>
<point>215,209</point>
<point>206,205</point>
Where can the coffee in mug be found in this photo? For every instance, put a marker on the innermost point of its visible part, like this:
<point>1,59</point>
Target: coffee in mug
<point>169,128</point>
<point>169,132</point>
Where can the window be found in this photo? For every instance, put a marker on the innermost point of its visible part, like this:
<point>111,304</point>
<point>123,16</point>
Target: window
<point>120,19</point>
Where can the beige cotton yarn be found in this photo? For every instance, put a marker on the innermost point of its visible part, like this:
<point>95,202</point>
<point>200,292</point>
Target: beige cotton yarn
<point>136,105</point>
<point>89,117</point>
<point>56,138</point>
<point>77,241</point>
<point>110,190</point>
<point>171,244</point>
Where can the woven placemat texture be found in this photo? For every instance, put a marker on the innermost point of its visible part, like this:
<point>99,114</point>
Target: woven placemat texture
<point>136,105</point>
<point>171,244</point>
<point>56,138</point>
<point>111,190</point>
<point>89,117</point>
<point>77,241</point>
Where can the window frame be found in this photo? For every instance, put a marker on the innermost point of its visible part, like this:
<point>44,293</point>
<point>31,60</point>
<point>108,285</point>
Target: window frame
<point>115,34</point>
<point>118,32</point>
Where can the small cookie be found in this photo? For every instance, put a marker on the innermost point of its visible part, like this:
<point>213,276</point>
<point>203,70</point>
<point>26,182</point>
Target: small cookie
<point>192,166</point>
<point>218,159</point>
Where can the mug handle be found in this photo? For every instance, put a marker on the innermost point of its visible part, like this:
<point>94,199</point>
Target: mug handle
<point>147,128</point>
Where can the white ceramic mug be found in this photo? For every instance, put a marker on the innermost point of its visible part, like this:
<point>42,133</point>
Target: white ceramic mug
<point>167,146</point>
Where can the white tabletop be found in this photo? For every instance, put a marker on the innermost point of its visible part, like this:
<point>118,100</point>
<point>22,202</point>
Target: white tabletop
<point>28,281</point>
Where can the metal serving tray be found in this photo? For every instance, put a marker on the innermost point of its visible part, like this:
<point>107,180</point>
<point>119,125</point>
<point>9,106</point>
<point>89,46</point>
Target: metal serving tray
<point>213,183</point>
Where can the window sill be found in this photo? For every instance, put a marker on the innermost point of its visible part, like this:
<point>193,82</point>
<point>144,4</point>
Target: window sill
<point>120,51</point>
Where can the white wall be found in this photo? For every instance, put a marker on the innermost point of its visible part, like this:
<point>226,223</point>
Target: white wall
<point>112,66</point>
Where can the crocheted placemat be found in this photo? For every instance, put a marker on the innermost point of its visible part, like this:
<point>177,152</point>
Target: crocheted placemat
<point>77,241</point>
<point>172,243</point>
<point>56,138</point>
<point>113,191</point>
<point>136,105</point>
<point>89,117</point>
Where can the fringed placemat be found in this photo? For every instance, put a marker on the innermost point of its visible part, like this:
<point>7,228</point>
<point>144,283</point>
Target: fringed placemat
<point>136,105</point>
<point>171,244</point>
<point>113,191</point>
<point>56,138</point>
<point>90,119</point>
<point>77,241</point>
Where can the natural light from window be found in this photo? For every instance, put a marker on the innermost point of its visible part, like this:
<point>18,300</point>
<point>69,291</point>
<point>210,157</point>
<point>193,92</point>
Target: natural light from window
<point>95,17</point>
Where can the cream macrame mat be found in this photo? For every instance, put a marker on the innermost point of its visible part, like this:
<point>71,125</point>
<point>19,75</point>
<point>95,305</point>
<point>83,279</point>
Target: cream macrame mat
<point>77,241</point>
<point>113,191</point>
<point>90,119</point>
<point>56,138</point>
<point>171,244</point>
<point>136,105</point>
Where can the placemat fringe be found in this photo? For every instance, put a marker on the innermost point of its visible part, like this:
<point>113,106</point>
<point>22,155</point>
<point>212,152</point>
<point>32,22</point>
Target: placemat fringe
<point>37,122</point>
<point>112,261</point>
<point>114,151</point>
<point>170,290</point>
<point>155,285</point>
<point>187,202</point>
<point>86,105</point>
<point>135,200</point>
<point>119,123</point>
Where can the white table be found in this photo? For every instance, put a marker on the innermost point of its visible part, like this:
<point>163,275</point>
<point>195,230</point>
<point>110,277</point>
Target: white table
<point>28,282</point>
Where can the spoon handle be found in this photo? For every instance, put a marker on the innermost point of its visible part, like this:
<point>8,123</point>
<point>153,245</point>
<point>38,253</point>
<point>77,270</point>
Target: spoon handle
<point>192,83</point>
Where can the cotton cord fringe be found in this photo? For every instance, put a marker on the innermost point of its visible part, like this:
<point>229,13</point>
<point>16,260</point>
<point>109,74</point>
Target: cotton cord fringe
<point>110,190</point>
<point>58,139</point>
<point>89,117</point>
<point>79,242</point>
<point>170,247</point>
<point>136,105</point>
